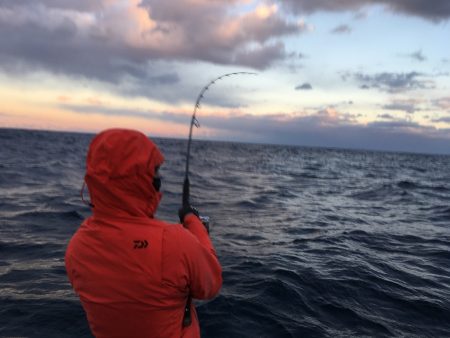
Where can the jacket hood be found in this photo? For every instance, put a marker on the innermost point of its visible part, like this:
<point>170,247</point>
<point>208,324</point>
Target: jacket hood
<point>120,168</point>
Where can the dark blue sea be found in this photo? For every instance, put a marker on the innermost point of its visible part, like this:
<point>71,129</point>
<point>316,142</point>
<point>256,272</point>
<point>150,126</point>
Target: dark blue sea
<point>313,242</point>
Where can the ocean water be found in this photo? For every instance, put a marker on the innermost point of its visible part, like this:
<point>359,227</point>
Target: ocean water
<point>313,242</point>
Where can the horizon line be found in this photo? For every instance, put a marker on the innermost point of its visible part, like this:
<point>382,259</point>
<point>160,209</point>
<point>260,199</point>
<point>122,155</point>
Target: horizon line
<point>406,152</point>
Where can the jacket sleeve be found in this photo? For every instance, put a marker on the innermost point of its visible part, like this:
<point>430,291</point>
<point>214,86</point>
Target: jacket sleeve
<point>204,270</point>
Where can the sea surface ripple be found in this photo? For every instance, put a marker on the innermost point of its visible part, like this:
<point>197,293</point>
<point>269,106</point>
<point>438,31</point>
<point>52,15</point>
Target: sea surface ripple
<point>313,242</point>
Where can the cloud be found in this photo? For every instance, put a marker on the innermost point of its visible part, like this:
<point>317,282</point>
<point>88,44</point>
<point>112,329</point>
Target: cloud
<point>418,55</point>
<point>208,32</point>
<point>304,86</point>
<point>399,125</point>
<point>113,40</point>
<point>399,106</point>
<point>342,29</point>
<point>329,128</point>
<point>393,82</point>
<point>118,111</point>
<point>442,119</point>
<point>437,10</point>
<point>326,128</point>
<point>360,15</point>
<point>442,103</point>
<point>80,5</point>
<point>260,57</point>
<point>409,106</point>
<point>385,116</point>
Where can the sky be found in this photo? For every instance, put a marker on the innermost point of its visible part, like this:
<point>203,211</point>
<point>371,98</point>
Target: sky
<point>367,74</point>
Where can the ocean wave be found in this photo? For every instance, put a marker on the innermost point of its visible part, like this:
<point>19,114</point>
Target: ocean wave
<point>313,242</point>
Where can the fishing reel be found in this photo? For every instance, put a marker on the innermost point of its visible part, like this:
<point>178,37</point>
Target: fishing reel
<point>205,221</point>
<point>187,209</point>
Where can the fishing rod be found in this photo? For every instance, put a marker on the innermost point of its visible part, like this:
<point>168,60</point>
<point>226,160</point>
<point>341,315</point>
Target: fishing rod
<point>187,319</point>
<point>194,122</point>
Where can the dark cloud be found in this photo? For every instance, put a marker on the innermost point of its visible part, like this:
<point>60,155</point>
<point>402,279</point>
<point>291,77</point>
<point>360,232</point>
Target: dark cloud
<point>442,119</point>
<point>59,49</point>
<point>323,129</point>
<point>342,29</point>
<point>169,78</point>
<point>140,113</point>
<point>399,125</point>
<point>386,116</point>
<point>112,41</point>
<point>360,15</point>
<point>326,128</point>
<point>304,86</point>
<point>297,56</point>
<point>442,103</point>
<point>261,57</point>
<point>79,5</point>
<point>417,56</point>
<point>436,10</point>
<point>208,33</point>
<point>107,111</point>
<point>393,82</point>
<point>402,107</point>
<point>408,106</point>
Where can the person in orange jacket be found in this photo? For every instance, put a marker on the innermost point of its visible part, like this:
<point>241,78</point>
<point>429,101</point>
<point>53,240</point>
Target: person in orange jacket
<point>132,272</point>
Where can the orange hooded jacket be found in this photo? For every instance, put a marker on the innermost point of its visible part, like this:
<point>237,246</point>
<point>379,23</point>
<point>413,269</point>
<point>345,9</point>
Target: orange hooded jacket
<point>132,272</point>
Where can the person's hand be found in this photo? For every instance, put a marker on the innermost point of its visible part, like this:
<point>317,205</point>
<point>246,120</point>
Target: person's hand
<point>185,210</point>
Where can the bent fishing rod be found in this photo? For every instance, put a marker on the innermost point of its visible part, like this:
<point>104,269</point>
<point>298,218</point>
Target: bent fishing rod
<point>187,319</point>
<point>194,122</point>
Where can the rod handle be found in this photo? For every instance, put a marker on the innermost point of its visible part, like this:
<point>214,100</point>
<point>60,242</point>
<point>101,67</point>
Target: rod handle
<point>186,188</point>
